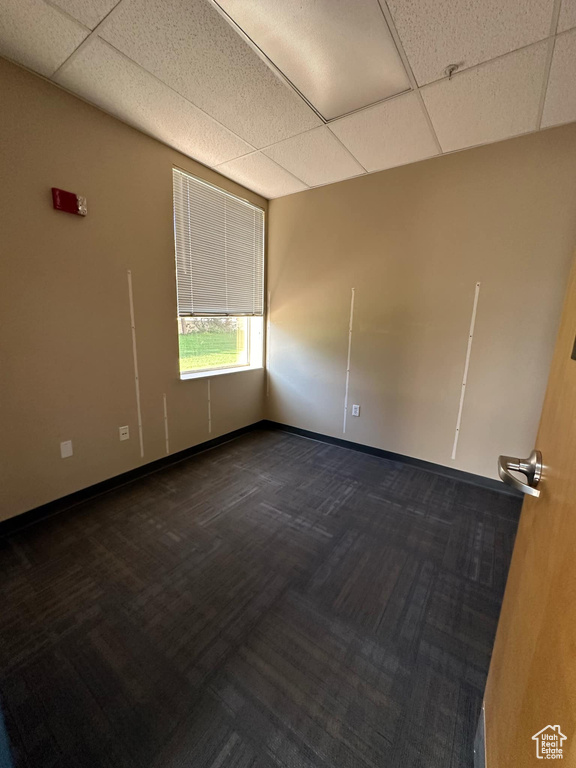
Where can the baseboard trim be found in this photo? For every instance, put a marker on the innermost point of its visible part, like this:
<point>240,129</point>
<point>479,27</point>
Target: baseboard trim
<point>427,466</point>
<point>26,519</point>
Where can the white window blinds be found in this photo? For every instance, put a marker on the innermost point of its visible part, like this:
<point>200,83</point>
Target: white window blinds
<point>219,250</point>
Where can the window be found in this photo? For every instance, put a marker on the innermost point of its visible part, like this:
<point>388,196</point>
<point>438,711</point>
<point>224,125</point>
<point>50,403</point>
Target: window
<point>219,242</point>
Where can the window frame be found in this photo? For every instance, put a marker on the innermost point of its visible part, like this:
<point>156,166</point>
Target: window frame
<point>257,349</point>
<point>218,370</point>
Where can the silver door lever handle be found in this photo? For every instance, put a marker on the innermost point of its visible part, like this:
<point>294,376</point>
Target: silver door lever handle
<point>531,467</point>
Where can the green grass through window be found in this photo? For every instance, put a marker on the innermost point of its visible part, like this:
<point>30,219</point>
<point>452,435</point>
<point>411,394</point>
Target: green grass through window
<point>208,350</point>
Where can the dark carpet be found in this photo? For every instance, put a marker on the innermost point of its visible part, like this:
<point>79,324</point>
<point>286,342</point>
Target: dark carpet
<point>272,602</point>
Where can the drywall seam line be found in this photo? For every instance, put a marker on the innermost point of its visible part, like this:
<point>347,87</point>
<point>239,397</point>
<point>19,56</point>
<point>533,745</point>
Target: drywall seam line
<point>267,341</point>
<point>209,409</point>
<point>466,366</point>
<point>348,361</point>
<point>135,356</point>
<point>166,434</point>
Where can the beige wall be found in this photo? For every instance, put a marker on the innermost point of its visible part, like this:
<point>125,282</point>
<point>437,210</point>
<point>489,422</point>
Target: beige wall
<point>413,242</point>
<point>65,339</point>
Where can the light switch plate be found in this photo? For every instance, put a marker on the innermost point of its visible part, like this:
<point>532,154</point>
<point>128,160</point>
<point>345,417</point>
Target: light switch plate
<point>66,449</point>
<point>124,433</point>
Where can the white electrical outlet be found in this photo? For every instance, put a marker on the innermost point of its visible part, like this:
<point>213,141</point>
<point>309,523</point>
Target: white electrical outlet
<point>66,449</point>
<point>355,410</point>
<point>124,433</point>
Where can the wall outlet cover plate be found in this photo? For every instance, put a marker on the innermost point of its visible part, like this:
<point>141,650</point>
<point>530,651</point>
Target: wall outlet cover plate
<point>66,449</point>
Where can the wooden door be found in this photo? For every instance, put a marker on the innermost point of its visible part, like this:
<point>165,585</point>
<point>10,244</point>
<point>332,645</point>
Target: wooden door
<point>532,678</point>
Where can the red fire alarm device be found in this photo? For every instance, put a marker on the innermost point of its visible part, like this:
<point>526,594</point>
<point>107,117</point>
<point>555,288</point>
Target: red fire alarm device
<point>69,202</point>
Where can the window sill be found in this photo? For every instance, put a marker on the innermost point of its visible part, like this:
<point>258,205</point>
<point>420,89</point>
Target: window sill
<point>219,372</point>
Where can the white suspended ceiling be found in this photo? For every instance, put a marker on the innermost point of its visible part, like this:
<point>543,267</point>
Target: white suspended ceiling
<point>283,95</point>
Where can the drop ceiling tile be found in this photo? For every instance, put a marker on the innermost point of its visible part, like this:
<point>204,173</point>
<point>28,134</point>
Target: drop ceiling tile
<point>392,133</point>
<point>560,104</point>
<point>89,12</point>
<point>189,45</point>
<point>108,79</point>
<point>340,55</point>
<point>491,102</point>
<point>567,18</point>
<point>262,175</point>
<point>435,34</point>
<point>316,157</point>
<point>37,35</point>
